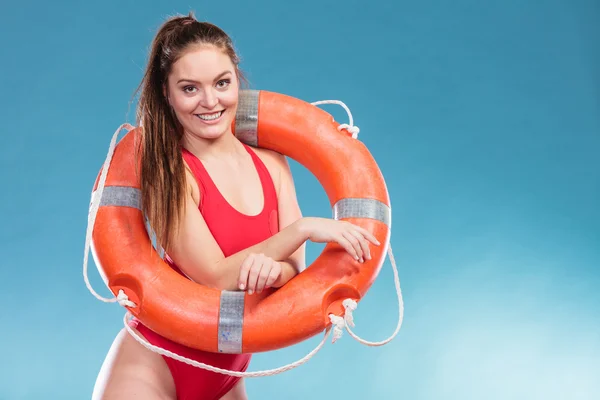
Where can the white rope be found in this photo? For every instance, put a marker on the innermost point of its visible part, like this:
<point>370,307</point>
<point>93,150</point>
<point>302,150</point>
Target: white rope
<point>93,211</point>
<point>239,374</point>
<point>338,324</point>
<point>349,127</point>
<point>350,305</point>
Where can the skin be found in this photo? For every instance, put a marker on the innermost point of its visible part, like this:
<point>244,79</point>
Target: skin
<point>203,81</point>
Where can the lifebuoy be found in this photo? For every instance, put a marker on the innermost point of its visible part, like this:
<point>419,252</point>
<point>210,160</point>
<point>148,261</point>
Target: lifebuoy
<point>233,322</point>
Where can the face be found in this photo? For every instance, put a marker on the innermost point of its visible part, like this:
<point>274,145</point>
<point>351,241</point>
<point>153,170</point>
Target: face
<point>203,91</point>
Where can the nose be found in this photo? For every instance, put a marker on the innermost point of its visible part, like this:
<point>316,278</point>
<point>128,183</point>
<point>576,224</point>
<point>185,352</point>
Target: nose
<point>209,100</point>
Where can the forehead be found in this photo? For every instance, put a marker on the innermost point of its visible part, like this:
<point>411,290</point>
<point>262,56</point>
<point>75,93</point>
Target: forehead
<point>201,63</point>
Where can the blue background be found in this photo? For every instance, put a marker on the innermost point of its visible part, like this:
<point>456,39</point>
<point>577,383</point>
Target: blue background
<point>483,116</point>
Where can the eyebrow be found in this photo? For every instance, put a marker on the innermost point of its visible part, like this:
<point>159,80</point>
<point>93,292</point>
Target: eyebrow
<point>216,79</point>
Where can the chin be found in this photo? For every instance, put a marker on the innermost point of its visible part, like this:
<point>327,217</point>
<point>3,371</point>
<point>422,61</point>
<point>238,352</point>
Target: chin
<point>211,132</point>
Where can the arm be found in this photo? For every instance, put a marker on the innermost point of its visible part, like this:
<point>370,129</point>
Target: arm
<point>196,252</point>
<point>289,214</point>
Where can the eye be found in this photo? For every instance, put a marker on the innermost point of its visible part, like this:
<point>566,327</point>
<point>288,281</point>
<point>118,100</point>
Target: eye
<point>189,89</point>
<point>223,83</point>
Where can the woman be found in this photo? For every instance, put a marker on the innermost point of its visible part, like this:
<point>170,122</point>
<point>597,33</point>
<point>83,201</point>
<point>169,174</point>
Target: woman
<point>225,213</point>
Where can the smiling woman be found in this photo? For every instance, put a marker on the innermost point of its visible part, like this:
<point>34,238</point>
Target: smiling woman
<point>226,214</point>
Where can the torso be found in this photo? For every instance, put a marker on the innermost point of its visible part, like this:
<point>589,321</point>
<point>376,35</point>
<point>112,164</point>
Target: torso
<point>244,192</point>
<point>237,199</point>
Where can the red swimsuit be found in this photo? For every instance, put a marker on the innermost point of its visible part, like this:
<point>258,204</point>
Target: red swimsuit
<point>234,232</point>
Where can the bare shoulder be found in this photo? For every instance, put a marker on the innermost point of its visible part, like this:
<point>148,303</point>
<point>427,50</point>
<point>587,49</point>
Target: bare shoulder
<point>191,183</point>
<point>275,162</point>
<point>275,159</point>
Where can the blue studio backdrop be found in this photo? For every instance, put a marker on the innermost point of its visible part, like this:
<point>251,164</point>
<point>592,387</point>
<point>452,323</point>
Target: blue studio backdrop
<point>484,117</point>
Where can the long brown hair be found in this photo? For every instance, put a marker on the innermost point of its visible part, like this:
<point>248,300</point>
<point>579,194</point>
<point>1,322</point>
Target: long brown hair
<point>162,172</point>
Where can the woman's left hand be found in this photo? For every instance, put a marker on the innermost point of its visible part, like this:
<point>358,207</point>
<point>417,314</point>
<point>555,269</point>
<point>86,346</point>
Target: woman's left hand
<point>258,272</point>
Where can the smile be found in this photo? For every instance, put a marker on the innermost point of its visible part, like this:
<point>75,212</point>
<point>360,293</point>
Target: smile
<point>210,117</point>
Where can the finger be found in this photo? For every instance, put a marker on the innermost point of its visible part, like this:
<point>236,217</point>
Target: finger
<point>368,235</point>
<point>364,244</point>
<point>244,271</point>
<point>273,275</point>
<point>355,244</point>
<point>265,270</point>
<point>254,273</point>
<point>342,241</point>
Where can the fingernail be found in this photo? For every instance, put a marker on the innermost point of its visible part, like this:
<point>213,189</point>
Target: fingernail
<point>250,291</point>
<point>242,286</point>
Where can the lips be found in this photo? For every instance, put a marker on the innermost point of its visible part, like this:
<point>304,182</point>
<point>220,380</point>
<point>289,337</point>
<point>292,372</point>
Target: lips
<point>209,117</point>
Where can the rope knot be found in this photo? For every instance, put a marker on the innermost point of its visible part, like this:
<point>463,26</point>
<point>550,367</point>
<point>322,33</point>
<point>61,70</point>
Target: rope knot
<point>339,323</point>
<point>123,300</point>
<point>354,130</point>
<point>349,305</point>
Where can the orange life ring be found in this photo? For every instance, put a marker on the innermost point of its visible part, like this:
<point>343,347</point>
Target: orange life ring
<point>233,322</point>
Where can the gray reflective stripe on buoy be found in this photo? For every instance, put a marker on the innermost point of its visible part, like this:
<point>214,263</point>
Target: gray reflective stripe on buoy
<point>246,117</point>
<point>120,196</point>
<point>362,208</point>
<point>231,322</point>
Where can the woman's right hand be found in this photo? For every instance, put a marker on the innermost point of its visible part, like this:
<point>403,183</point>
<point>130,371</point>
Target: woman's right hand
<point>351,237</point>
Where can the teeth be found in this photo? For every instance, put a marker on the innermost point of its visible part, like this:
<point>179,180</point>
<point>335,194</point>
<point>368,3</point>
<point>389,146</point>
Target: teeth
<point>209,117</point>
